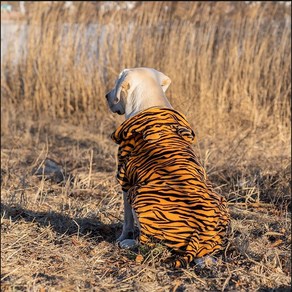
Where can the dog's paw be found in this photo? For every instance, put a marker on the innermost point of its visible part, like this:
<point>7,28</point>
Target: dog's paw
<point>128,244</point>
<point>205,261</point>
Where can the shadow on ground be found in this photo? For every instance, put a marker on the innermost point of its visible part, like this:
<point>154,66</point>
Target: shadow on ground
<point>62,223</point>
<point>279,289</point>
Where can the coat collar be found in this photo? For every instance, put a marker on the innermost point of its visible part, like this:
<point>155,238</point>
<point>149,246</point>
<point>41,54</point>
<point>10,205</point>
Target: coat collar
<point>153,118</point>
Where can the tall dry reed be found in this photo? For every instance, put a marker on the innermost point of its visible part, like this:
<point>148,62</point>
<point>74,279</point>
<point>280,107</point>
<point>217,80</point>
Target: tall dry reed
<point>230,63</point>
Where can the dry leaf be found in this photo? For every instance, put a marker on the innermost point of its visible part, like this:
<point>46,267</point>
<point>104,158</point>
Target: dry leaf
<point>276,243</point>
<point>177,283</point>
<point>76,241</point>
<point>139,259</point>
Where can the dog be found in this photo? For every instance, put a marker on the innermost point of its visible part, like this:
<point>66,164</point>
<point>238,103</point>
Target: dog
<point>165,188</point>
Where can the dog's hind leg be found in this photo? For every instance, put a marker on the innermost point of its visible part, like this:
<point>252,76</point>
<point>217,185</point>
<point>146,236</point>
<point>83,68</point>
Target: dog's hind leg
<point>128,226</point>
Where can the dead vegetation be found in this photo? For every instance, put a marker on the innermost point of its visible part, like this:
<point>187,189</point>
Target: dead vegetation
<point>230,66</point>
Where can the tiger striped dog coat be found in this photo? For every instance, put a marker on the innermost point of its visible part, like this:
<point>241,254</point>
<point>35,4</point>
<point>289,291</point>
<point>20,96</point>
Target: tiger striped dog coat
<point>167,186</point>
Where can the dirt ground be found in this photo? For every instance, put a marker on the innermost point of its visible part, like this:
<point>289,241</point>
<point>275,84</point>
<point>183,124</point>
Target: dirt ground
<point>61,236</point>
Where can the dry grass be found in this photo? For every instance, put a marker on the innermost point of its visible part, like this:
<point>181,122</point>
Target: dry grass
<point>230,66</point>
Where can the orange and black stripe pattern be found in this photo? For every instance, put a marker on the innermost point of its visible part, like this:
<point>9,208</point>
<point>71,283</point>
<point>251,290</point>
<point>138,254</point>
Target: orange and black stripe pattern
<point>167,185</point>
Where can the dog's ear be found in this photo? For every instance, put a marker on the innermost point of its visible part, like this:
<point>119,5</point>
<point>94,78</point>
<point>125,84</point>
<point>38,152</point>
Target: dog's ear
<point>164,81</point>
<point>123,86</point>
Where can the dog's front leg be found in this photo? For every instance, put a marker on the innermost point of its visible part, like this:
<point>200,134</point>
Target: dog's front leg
<point>126,240</point>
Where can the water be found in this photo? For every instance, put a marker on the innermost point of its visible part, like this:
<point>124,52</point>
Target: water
<point>89,38</point>
<point>13,39</point>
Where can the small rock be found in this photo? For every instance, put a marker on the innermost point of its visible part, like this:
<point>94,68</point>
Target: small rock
<point>50,169</point>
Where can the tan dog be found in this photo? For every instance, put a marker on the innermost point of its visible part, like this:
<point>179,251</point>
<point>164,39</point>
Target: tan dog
<point>165,187</point>
<point>135,90</point>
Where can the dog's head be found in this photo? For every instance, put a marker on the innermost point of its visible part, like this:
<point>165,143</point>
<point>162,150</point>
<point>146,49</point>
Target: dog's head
<point>137,89</point>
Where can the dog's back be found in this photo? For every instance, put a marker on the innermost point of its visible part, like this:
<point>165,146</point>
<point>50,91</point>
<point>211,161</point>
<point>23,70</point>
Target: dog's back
<point>167,185</point>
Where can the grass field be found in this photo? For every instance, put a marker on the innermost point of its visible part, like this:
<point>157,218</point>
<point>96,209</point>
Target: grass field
<point>230,66</point>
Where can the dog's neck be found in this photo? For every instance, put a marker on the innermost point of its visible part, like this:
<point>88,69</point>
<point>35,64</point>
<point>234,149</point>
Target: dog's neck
<point>141,100</point>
